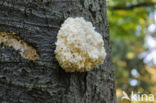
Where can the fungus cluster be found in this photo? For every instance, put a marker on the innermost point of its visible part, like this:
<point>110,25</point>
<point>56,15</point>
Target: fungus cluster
<point>79,47</point>
<point>12,40</point>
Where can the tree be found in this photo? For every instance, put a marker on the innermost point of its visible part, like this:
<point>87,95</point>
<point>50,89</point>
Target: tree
<point>43,81</point>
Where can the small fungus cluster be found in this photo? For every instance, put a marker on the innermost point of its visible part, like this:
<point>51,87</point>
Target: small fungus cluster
<point>12,40</point>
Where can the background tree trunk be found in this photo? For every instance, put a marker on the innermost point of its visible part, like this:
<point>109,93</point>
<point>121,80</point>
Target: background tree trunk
<point>43,81</point>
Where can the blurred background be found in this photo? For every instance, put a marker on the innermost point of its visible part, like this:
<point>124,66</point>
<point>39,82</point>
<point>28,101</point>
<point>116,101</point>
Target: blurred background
<point>133,37</point>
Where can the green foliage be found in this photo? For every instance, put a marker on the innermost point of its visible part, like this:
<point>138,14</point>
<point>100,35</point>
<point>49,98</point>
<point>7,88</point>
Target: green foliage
<point>128,42</point>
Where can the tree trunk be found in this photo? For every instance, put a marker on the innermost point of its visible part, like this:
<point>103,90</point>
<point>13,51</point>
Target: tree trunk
<point>44,81</point>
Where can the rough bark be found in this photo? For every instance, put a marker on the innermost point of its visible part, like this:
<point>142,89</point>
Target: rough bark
<point>43,81</point>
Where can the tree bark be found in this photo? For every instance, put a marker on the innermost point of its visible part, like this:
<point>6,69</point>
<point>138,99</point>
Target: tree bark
<point>44,81</point>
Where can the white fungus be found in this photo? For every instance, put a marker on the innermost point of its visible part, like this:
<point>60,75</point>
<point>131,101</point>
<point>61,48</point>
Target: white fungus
<point>79,47</point>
